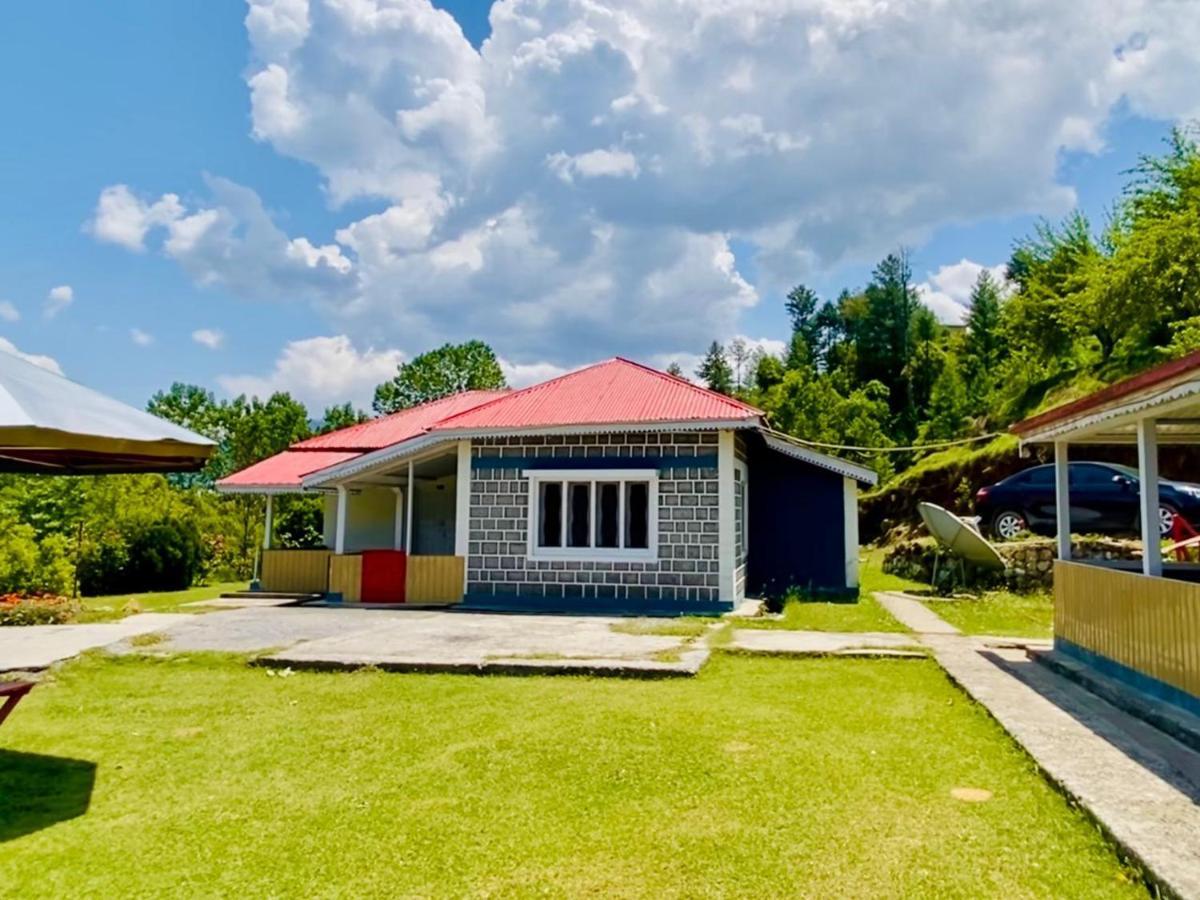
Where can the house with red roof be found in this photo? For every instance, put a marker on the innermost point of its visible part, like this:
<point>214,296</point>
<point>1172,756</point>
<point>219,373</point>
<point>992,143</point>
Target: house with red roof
<point>616,488</point>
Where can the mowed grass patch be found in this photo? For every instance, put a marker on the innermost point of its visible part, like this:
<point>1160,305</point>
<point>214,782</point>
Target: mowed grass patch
<point>760,777</point>
<point>802,614</point>
<point>117,606</point>
<point>1000,613</point>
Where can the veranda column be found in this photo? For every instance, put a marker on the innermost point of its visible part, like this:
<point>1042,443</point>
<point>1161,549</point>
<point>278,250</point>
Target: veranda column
<point>398,520</point>
<point>339,534</point>
<point>408,495</point>
<point>1062,499</point>
<point>267,524</point>
<point>1147,442</point>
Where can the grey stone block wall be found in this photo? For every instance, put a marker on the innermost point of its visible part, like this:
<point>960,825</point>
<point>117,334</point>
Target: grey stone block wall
<point>687,568</point>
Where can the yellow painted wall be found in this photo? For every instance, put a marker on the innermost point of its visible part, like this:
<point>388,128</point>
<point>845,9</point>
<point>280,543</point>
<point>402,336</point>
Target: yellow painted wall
<point>1151,625</point>
<point>434,579</point>
<point>295,571</point>
<point>345,577</point>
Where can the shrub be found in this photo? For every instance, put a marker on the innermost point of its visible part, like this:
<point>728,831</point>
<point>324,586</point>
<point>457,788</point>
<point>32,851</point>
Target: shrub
<point>36,609</point>
<point>166,555</point>
<point>30,566</point>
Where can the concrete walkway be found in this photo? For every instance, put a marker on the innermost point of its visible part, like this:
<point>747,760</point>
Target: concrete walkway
<point>436,641</point>
<point>32,647</point>
<point>781,642</point>
<point>1140,784</point>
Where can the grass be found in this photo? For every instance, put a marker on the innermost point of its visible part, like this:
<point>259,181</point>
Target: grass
<point>117,606</point>
<point>761,777</point>
<point>1000,613</point>
<point>684,626</point>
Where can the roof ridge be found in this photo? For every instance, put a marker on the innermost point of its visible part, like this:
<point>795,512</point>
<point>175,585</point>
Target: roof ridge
<point>519,391</point>
<point>299,445</point>
<point>686,382</point>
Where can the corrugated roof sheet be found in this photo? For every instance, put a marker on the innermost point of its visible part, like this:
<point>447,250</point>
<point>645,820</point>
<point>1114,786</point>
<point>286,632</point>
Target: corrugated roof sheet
<point>392,429</point>
<point>616,391</point>
<point>284,470</point>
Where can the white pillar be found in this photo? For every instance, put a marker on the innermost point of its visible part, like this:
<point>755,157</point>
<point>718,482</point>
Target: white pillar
<point>462,507</point>
<point>1147,443</point>
<point>850,529</point>
<point>398,523</point>
<point>1062,499</point>
<point>726,520</point>
<point>267,524</point>
<point>339,535</point>
<point>408,513</point>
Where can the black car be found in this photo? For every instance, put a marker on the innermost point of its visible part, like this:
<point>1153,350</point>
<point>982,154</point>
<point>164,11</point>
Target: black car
<point>1104,499</point>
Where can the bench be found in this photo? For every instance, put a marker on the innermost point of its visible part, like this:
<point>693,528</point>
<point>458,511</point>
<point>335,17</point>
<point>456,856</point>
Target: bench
<point>11,693</point>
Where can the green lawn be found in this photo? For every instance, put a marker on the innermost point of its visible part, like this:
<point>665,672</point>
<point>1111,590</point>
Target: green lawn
<point>1000,613</point>
<point>760,777</point>
<point>117,606</point>
<point>863,614</point>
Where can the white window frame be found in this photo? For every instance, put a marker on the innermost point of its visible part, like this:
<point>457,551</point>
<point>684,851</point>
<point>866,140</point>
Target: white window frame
<point>648,553</point>
<point>741,467</point>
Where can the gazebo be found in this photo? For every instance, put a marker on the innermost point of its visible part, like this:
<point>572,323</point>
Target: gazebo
<point>1137,624</point>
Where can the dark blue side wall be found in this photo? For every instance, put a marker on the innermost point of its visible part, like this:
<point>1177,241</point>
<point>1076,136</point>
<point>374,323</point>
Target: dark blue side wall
<point>796,524</point>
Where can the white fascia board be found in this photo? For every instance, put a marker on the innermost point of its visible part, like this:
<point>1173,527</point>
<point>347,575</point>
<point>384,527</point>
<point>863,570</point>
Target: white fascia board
<point>832,463</point>
<point>1088,426</point>
<point>407,448</point>
<point>275,489</point>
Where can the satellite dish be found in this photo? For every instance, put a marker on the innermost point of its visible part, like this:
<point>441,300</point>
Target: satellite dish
<point>958,537</point>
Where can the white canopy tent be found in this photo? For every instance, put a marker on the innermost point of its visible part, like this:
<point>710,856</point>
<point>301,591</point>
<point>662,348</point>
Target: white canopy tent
<point>53,426</point>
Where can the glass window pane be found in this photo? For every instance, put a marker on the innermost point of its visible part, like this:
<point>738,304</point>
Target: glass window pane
<point>607,503</point>
<point>637,515</point>
<point>578,522</point>
<point>550,514</point>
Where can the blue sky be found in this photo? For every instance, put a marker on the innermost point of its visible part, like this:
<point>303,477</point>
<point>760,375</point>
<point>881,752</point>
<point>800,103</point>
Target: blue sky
<point>155,96</point>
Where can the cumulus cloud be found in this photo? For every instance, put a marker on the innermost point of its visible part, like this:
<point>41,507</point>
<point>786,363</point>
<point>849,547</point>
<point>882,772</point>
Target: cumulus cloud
<point>8,312</point>
<point>573,188</point>
<point>122,218</point>
<point>141,338</point>
<point>49,363</point>
<point>208,337</point>
<point>948,290</point>
<point>58,299</point>
<point>320,371</point>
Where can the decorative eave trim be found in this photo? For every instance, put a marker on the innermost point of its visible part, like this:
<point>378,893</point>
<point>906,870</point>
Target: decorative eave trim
<point>846,469</point>
<point>412,446</point>
<point>1083,424</point>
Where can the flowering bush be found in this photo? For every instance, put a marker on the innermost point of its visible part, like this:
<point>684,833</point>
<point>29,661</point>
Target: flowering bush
<point>36,609</point>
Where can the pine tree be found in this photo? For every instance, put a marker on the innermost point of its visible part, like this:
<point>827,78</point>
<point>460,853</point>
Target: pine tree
<point>984,344</point>
<point>675,369</point>
<point>715,371</point>
<point>948,406</point>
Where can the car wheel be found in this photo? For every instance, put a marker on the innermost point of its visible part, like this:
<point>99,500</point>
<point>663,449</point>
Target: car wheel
<point>1166,520</point>
<point>1007,524</point>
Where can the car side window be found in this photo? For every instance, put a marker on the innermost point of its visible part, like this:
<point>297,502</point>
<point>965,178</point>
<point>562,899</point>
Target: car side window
<point>1042,476</point>
<point>1089,475</point>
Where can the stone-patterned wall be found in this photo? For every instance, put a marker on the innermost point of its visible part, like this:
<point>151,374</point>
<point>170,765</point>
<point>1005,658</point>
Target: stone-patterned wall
<point>687,569</point>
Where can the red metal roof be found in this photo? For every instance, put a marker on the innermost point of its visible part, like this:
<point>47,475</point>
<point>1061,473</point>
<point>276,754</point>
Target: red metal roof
<point>1094,402</point>
<point>286,469</point>
<point>613,392</point>
<point>400,426</point>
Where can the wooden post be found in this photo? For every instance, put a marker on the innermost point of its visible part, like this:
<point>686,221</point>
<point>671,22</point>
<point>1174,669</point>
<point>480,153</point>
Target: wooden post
<point>1062,500</point>
<point>1147,443</point>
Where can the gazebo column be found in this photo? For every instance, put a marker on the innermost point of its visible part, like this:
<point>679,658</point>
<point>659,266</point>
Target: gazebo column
<point>1147,444</point>
<point>268,523</point>
<point>339,532</point>
<point>398,523</point>
<point>1062,500</point>
<point>409,490</point>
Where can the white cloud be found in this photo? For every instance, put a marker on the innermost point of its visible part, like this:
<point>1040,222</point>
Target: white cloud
<point>519,375</point>
<point>8,312</point>
<point>574,188</point>
<point>123,218</point>
<point>49,363</point>
<point>948,290</point>
<point>320,371</point>
<point>141,338</point>
<point>58,299</point>
<point>208,337</point>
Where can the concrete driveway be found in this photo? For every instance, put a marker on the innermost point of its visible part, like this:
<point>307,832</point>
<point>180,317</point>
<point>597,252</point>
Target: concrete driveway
<point>434,641</point>
<point>32,647</point>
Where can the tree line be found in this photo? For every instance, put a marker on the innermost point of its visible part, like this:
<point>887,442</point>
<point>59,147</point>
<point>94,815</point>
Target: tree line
<point>1078,308</point>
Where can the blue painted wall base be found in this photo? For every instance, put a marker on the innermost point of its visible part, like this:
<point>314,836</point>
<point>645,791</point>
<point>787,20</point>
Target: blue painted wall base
<point>591,606</point>
<point>1140,681</point>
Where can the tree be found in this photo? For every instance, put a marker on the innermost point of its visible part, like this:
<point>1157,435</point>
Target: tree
<point>338,417</point>
<point>439,373</point>
<point>714,370</point>
<point>739,354</point>
<point>947,415</point>
<point>675,369</point>
<point>984,344</point>
<point>884,335</point>
<point>801,306</point>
